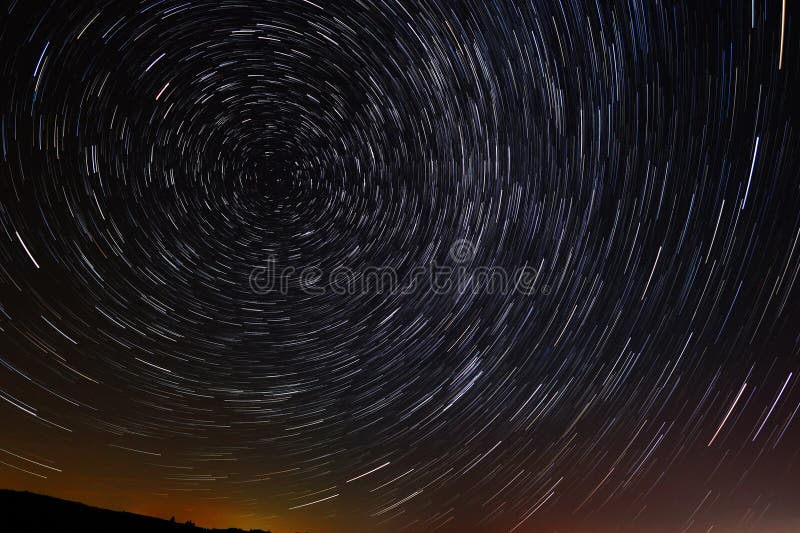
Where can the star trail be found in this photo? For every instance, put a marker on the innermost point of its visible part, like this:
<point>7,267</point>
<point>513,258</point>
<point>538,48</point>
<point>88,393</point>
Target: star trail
<point>629,169</point>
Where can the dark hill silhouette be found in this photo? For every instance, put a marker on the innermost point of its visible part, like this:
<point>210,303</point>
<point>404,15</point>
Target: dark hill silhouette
<point>27,512</point>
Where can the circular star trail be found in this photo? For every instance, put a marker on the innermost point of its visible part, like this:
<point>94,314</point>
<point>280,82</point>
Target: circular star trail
<point>163,160</point>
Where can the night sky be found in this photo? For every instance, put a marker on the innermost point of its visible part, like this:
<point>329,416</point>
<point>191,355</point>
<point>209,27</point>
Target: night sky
<point>631,167</point>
